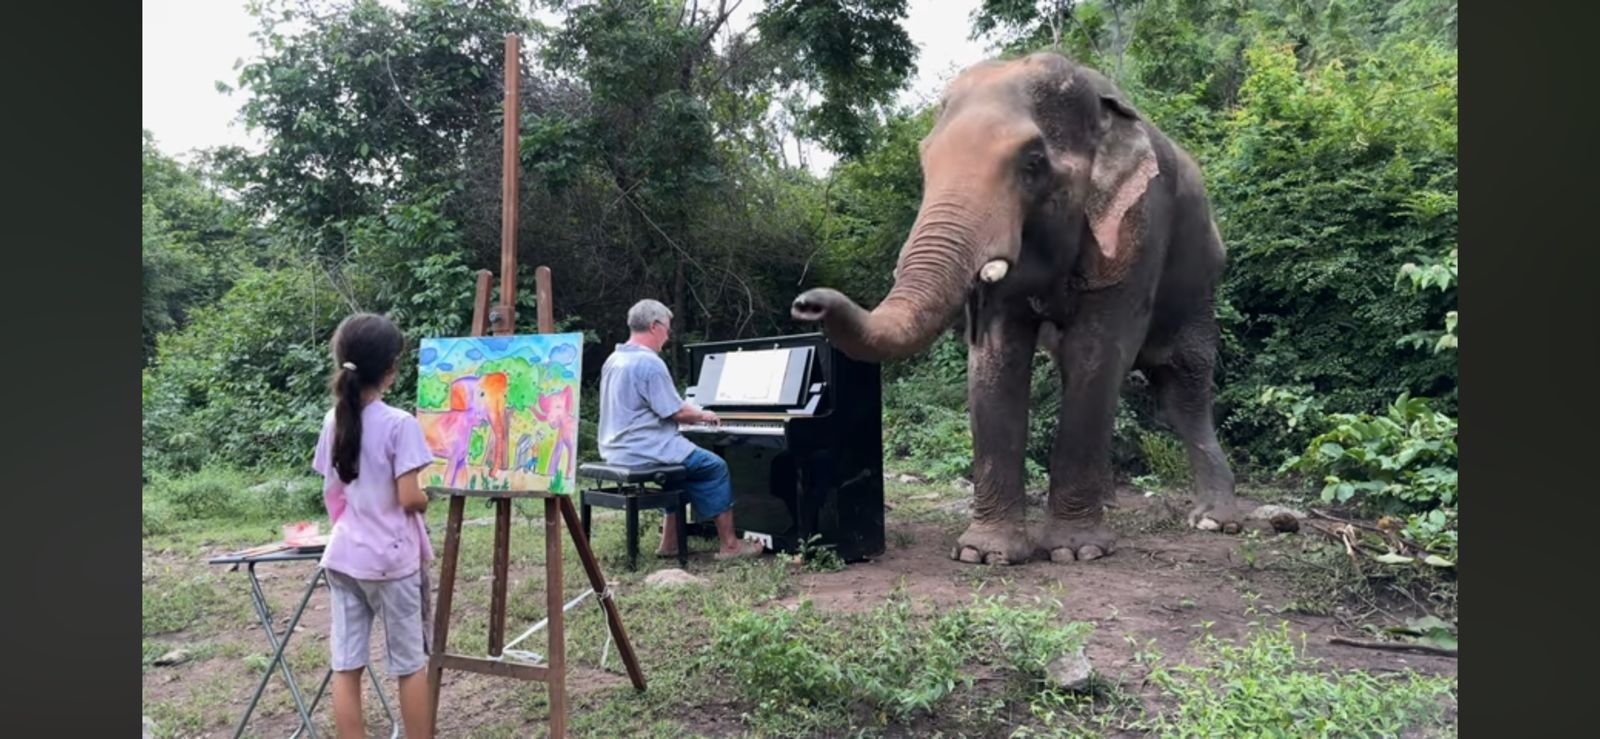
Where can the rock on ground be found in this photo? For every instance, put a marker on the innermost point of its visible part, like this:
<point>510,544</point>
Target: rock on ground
<point>671,578</point>
<point>963,484</point>
<point>174,657</point>
<point>911,479</point>
<point>1071,671</point>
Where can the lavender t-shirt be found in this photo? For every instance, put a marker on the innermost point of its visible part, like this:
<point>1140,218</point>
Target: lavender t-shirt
<point>374,538</point>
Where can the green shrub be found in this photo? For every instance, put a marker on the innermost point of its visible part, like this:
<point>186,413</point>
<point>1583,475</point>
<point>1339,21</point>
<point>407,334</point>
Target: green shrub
<point>157,517</point>
<point>1165,457</point>
<point>1399,462</point>
<point>212,492</point>
<point>217,492</point>
<point>1263,686</point>
<point>1402,463</point>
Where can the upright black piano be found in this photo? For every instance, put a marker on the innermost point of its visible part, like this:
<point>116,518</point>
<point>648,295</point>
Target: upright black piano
<point>802,435</point>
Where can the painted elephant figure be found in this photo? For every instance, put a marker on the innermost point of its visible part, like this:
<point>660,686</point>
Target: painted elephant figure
<point>1058,218</point>
<point>474,402</point>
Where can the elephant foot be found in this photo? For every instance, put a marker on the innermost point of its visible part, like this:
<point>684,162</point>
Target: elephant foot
<point>994,544</point>
<point>1068,540</point>
<point>1225,517</point>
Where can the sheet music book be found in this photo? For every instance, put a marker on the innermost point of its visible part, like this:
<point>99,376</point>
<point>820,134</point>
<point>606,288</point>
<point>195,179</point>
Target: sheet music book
<point>753,377</point>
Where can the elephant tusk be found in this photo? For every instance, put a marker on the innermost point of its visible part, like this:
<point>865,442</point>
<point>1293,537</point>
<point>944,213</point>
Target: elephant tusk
<point>994,271</point>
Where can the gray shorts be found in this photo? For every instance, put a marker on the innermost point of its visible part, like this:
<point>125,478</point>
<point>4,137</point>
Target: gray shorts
<point>403,606</point>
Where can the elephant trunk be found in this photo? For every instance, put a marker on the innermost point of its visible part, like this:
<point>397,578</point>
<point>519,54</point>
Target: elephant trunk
<point>935,273</point>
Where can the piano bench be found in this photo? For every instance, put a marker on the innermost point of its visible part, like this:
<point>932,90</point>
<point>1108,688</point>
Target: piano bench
<point>632,488</point>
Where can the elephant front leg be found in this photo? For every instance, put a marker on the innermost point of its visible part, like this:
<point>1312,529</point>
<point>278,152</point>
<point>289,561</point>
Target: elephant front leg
<point>1081,478</point>
<point>998,372</point>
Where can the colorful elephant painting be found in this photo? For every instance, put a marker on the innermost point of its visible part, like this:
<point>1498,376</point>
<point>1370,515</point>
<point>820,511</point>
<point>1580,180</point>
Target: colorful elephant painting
<point>474,402</point>
<point>501,412</point>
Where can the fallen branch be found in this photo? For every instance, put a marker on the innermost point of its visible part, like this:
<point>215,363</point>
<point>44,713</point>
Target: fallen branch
<point>1393,646</point>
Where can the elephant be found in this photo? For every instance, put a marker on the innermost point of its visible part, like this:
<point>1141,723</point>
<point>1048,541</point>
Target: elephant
<point>474,401</point>
<point>1058,218</point>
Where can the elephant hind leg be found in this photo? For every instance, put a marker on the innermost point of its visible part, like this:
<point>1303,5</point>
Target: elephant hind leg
<point>1183,388</point>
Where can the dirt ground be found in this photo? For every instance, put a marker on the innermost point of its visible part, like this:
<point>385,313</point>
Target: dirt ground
<point>1163,582</point>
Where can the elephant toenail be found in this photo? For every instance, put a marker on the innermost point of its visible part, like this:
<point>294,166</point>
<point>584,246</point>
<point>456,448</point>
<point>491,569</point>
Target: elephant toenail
<point>1064,554</point>
<point>1090,551</point>
<point>1208,524</point>
<point>971,556</point>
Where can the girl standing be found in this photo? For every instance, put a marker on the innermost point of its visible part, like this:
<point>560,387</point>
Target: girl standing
<point>370,455</point>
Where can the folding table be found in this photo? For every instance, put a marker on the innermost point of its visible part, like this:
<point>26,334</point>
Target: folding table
<point>279,642</point>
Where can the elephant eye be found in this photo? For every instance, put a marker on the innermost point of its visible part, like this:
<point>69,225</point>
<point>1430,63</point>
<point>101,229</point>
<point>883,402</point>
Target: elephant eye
<point>1035,164</point>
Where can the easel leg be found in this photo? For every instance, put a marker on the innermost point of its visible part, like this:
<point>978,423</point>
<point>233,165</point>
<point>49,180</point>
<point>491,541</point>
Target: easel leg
<point>441,617</point>
<point>557,659</point>
<point>597,581</point>
<point>502,563</point>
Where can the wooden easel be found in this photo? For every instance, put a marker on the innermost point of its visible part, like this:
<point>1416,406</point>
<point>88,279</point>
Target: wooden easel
<point>556,507</point>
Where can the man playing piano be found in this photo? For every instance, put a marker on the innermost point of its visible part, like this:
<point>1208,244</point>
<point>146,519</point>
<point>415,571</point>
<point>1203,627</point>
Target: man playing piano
<point>640,410</point>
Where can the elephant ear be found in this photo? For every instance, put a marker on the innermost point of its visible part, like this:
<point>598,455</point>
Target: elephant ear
<point>1124,165</point>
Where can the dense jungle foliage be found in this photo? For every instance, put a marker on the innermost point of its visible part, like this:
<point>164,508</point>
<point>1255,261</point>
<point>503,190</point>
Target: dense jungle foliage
<point>660,159</point>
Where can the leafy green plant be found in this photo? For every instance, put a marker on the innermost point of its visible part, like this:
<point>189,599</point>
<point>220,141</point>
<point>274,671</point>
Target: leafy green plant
<point>1263,686</point>
<point>1398,462</point>
<point>817,557</point>
<point>1165,458</point>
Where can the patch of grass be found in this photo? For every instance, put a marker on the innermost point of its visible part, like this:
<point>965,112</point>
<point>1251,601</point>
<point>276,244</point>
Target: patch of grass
<point>174,604</point>
<point>205,708</point>
<point>902,539</point>
<point>1101,709</point>
<point>156,516</point>
<point>1164,456</point>
<point>224,494</point>
<point>1322,578</point>
<point>805,672</point>
<point>1263,686</point>
<point>152,652</point>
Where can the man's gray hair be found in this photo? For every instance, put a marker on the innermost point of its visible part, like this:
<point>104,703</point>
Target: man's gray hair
<point>646,312</point>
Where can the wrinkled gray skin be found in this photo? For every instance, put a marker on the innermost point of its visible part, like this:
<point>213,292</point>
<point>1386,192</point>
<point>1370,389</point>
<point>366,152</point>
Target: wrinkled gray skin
<point>1057,218</point>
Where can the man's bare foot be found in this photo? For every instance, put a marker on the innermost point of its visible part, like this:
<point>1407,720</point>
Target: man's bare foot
<point>742,549</point>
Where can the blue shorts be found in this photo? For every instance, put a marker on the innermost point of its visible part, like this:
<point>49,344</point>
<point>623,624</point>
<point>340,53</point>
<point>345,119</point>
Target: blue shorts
<point>708,485</point>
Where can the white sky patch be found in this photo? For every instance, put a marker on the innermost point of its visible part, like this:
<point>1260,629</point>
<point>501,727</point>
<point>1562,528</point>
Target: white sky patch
<point>191,45</point>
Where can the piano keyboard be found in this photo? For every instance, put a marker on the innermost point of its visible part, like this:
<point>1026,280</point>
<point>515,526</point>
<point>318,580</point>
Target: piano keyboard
<point>752,428</point>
